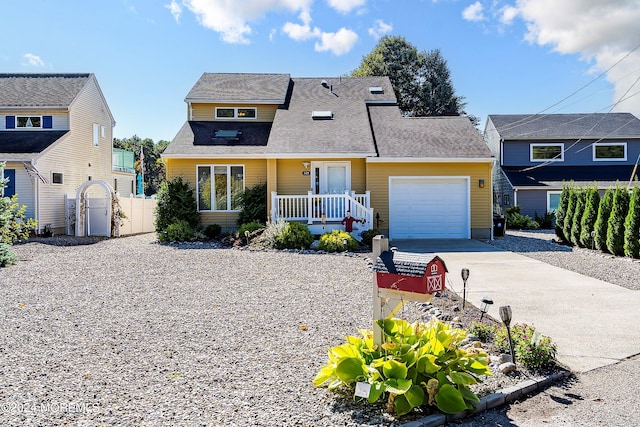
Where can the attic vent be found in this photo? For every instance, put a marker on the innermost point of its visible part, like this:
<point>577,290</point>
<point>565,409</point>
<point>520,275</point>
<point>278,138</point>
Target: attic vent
<point>322,115</point>
<point>376,89</point>
<point>227,133</point>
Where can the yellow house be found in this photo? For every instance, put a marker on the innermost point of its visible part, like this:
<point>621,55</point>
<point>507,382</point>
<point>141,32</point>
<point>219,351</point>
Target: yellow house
<point>325,146</point>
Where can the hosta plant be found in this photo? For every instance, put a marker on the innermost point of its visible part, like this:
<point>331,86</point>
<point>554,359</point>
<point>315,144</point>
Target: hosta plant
<point>418,364</point>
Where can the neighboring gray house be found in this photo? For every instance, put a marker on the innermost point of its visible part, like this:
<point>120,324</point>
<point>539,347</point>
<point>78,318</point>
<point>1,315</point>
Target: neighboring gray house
<point>539,152</point>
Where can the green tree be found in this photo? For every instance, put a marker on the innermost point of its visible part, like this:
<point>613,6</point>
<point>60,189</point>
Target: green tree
<point>176,205</point>
<point>421,80</point>
<point>562,211</point>
<point>615,229</point>
<point>577,216</point>
<point>632,225</point>
<point>154,170</point>
<point>602,222</point>
<point>568,218</point>
<point>589,216</point>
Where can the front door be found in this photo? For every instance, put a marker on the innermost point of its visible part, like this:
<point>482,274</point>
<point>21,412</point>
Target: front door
<point>331,177</point>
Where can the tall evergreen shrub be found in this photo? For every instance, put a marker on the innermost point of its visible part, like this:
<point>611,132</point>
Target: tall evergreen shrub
<point>602,222</point>
<point>615,229</point>
<point>576,221</point>
<point>568,218</point>
<point>562,211</point>
<point>589,216</point>
<point>176,203</point>
<point>632,225</point>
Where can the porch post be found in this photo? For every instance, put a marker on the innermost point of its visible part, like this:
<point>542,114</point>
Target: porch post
<point>367,199</point>
<point>309,207</point>
<point>274,206</point>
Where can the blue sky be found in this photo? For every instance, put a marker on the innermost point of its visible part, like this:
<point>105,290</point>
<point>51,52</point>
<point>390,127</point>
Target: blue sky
<point>505,56</point>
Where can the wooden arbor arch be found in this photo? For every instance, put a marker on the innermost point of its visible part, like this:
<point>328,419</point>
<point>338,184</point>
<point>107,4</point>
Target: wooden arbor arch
<point>83,225</point>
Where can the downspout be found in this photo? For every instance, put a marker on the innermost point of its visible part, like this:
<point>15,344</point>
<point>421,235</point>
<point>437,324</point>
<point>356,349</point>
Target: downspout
<point>515,197</point>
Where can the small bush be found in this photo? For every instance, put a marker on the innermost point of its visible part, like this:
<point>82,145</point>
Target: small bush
<point>335,242</point>
<point>7,257</point>
<point>250,227</point>
<point>268,238</point>
<point>176,202</point>
<point>367,236</point>
<point>533,355</point>
<point>483,331</point>
<point>253,203</point>
<point>615,228</point>
<point>294,236</point>
<point>180,231</point>
<point>602,222</point>
<point>212,231</point>
<point>517,221</point>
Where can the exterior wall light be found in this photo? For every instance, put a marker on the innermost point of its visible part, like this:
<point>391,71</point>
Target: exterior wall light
<point>481,183</point>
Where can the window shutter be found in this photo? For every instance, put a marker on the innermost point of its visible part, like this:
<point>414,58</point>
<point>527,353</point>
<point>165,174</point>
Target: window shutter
<point>47,122</point>
<point>11,122</point>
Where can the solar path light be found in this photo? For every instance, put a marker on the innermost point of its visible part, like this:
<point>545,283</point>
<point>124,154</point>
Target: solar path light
<point>465,276</point>
<point>505,315</point>
<point>484,307</point>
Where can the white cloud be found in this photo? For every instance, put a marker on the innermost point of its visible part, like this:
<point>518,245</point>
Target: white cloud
<point>345,6</point>
<point>338,43</point>
<point>302,32</point>
<point>508,14</point>
<point>231,18</point>
<point>473,12</point>
<point>33,60</point>
<point>379,29</point>
<point>175,9</point>
<point>602,32</point>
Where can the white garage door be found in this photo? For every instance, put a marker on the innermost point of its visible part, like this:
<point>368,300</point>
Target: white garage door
<point>428,208</point>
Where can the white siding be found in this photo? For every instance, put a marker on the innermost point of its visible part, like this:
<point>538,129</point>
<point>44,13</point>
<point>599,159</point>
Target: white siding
<point>24,188</point>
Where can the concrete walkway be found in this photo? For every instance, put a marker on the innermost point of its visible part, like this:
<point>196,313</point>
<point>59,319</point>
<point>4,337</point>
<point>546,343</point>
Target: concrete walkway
<point>594,323</point>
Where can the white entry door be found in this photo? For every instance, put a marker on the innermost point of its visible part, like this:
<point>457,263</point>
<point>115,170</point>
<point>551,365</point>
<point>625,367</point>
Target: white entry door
<point>331,177</point>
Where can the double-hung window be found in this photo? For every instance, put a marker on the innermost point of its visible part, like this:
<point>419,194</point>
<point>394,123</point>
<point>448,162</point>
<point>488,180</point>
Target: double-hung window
<point>609,151</point>
<point>220,187</point>
<point>553,152</point>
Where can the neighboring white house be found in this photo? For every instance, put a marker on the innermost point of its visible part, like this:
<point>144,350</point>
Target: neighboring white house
<point>56,132</point>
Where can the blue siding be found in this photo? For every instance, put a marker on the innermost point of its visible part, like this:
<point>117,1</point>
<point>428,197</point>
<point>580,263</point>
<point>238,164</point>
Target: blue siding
<point>532,202</point>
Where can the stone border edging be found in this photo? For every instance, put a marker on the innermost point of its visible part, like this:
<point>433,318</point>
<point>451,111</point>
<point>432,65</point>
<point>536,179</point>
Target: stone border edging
<point>494,400</point>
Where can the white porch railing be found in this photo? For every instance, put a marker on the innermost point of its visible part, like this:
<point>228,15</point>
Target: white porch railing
<point>322,208</point>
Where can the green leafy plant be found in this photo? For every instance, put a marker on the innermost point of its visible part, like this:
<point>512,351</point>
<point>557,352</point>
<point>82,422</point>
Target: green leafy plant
<point>176,202</point>
<point>483,331</point>
<point>418,364</point>
<point>531,349</point>
<point>294,236</point>
<point>180,231</point>
<point>545,221</point>
<point>367,236</point>
<point>250,227</point>
<point>7,257</point>
<point>632,225</point>
<point>517,221</point>
<point>602,222</point>
<point>337,241</point>
<point>253,203</point>
<point>576,221</point>
<point>615,228</point>
<point>212,231</point>
<point>268,238</point>
<point>589,217</point>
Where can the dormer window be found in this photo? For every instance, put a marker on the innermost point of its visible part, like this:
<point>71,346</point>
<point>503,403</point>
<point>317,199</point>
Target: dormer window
<point>236,113</point>
<point>29,122</point>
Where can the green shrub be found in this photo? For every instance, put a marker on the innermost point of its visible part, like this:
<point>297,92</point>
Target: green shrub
<point>632,225</point>
<point>483,331</point>
<point>517,221</point>
<point>418,365</point>
<point>212,231</point>
<point>335,242</point>
<point>367,236</point>
<point>576,221</point>
<point>268,238</point>
<point>587,223</point>
<point>180,231</point>
<point>294,236</point>
<point>253,204</point>
<point>568,218</point>
<point>531,349</point>
<point>562,211</point>
<point>602,222</point>
<point>7,257</point>
<point>615,228</point>
<point>545,221</point>
<point>176,202</point>
<point>250,227</point>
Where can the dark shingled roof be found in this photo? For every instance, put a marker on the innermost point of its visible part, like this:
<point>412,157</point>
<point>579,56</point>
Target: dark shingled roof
<point>22,142</point>
<point>198,138</point>
<point>566,126</point>
<point>404,263</point>
<point>296,132</point>
<point>239,87</point>
<point>426,137</point>
<point>40,90</point>
<point>554,176</point>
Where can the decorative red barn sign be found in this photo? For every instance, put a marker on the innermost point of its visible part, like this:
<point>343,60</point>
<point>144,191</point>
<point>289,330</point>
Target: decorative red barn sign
<point>410,273</point>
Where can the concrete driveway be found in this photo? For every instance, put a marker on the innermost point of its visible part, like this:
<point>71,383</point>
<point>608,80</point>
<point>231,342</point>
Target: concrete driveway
<point>594,323</point>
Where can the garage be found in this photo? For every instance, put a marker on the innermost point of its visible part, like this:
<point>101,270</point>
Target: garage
<point>429,208</point>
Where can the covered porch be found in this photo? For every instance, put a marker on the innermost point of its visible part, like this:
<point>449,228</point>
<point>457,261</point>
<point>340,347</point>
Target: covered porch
<point>324,212</point>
